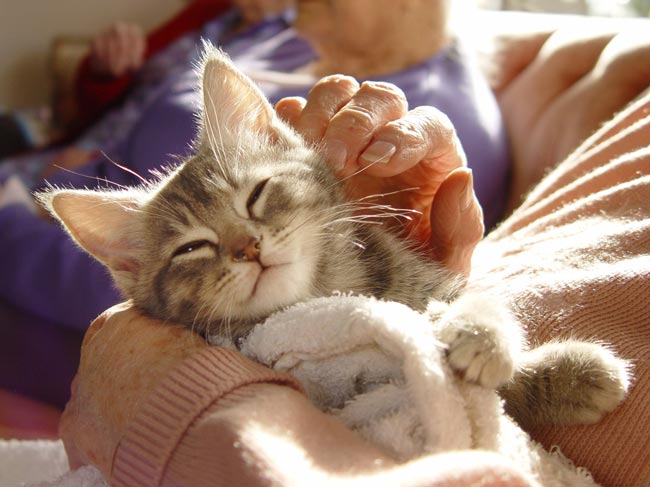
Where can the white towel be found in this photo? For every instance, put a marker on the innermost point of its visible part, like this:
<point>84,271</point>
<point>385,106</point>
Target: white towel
<point>42,463</point>
<point>378,367</point>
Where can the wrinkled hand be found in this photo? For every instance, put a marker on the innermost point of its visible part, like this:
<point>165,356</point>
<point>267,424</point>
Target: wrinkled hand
<point>140,351</point>
<point>254,11</point>
<point>118,50</point>
<point>409,160</point>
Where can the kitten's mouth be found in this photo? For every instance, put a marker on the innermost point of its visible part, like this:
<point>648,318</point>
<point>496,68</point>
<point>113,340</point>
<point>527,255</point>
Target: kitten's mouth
<point>266,272</point>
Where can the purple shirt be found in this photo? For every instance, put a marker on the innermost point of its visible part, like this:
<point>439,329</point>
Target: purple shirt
<point>46,275</point>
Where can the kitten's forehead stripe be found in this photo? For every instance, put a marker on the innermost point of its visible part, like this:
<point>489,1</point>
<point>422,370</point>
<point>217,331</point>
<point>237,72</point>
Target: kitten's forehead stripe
<point>196,189</point>
<point>176,204</point>
<point>167,233</point>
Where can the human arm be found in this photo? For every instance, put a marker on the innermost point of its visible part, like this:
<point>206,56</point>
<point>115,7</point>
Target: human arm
<point>572,261</point>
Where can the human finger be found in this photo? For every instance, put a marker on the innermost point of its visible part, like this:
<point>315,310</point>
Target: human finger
<point>122,47</point>
<point>99,54</point>
<point>290,109</point>
<point>132,44</point>
<point>456,222</point>
<point>424,136</point>
<point>354,125</point>
<point>324,100</point>
<point>139,49</point>
<point>114,53</point>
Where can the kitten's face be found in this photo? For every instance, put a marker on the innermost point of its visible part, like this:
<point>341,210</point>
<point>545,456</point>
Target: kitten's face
<point>235,233</point>
<point>235,241</point>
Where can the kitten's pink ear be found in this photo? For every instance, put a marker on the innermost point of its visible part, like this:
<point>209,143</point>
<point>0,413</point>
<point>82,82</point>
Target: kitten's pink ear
<point>105,224</point>
<point>231,101</point>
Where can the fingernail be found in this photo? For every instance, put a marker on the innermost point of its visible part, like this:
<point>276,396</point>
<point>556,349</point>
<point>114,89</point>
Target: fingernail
<point>336,153</point>
<point>467,196</point>
<point>379,152</point>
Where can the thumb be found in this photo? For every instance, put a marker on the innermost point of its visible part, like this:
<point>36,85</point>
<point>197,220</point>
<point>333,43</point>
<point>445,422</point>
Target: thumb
<point>456,222</point>
<point>289,109</point>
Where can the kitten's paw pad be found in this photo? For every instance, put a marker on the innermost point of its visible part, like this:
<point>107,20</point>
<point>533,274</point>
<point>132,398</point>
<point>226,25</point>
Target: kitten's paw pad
<point>476,354</point>
<point>600,387</point>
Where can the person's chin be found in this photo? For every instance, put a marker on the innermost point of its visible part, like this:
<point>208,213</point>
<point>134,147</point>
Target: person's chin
<point>311,15</point>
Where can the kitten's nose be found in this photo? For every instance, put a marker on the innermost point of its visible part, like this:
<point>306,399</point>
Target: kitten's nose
<point>247,250</point>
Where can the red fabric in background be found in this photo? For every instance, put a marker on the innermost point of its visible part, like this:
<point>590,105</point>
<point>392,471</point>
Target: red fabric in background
<point>96,93</point>
<point>26,419</point>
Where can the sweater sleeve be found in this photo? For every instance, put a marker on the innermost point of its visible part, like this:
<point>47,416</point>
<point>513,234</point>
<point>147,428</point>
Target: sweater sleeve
<point>44,272</point>
<point>221,419</point>
<point>149,451</point>
<point>96,93</point>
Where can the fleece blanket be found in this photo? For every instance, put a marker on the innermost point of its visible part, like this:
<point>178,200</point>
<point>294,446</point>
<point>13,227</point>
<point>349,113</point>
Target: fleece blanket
<point>378,367</point>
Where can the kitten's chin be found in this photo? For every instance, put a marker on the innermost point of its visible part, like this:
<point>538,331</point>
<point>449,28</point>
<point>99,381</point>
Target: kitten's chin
<point>277,286</point>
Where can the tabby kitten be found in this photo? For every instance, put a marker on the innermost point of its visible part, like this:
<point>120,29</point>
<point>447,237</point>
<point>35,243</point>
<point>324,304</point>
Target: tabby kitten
<point>255,221</point>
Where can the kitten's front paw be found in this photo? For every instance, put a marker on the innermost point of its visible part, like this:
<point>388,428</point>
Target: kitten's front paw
<point>593,380</point>
<point>482,338</point>
<point>478,356</point>
<point>567,382</point>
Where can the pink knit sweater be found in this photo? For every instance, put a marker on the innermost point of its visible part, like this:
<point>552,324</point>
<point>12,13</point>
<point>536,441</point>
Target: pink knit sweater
<point>164,442</point>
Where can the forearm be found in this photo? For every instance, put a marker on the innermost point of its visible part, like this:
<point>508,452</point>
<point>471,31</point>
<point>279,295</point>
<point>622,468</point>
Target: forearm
<point>265,434</point>
<point>271,435</point>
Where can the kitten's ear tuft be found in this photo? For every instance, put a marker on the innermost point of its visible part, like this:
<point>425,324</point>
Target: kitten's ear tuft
<point>231,101</point>
<point>105,224</point>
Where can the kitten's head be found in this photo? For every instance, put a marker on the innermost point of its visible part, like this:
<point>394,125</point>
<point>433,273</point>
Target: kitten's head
<point>235,232</point>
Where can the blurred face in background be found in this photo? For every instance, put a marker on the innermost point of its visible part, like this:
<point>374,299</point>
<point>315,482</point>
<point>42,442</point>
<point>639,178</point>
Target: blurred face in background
<point>254,11</point>
<point>375,32</point>
<point>354,24</point>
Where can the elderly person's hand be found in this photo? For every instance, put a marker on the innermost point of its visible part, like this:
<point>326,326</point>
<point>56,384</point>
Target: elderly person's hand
<point>556,87</point>
<point>410,160</point>
<point>118,50</point>
<point>119,346</point>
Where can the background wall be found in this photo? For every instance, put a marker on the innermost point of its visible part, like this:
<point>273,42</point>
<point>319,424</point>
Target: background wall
<point>27,28</point>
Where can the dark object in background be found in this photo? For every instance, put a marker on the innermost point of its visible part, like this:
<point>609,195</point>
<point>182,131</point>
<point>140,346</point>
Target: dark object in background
<point>38,358</point>
<point>13,138</point>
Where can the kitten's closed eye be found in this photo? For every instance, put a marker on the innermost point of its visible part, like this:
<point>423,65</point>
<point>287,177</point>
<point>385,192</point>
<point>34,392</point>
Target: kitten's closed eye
<point>255,196</point>
<point>193,247</point>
